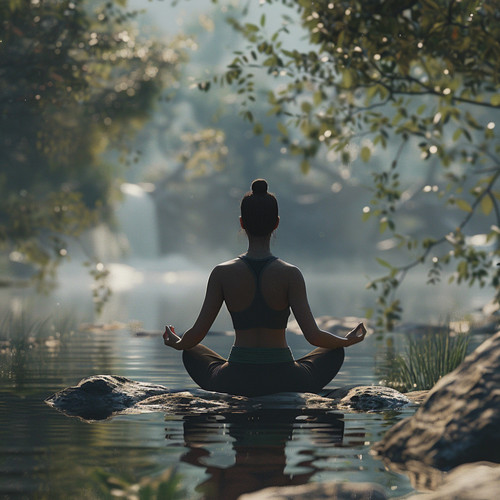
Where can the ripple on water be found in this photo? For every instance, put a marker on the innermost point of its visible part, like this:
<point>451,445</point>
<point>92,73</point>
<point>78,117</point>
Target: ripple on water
<point>44,452</point>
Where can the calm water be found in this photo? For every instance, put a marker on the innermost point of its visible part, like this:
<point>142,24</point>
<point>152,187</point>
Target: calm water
<point>44,454</point>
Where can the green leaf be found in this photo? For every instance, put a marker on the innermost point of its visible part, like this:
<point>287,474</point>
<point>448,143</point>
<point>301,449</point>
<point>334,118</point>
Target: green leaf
<point>397,118</point>
<point>282,128</point>
<point>462,268</point>
<point>306,107</point>
<point>383,262</point>
<point>15,4</point>
<point>347,78</point>
<point>463,205</point>
<point>251,28</point>
<point>486,205</point>
<point>317,98</point>
<point>421,109</point>
<point>365,153</point>
<point>457,134</point>
<point>495,100</point>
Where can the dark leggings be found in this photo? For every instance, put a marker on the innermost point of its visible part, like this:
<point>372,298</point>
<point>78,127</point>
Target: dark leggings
<point>308,374</point>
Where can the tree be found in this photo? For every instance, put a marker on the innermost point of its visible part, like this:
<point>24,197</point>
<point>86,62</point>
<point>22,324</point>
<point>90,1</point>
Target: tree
<point>419,79</point>
<point>77,83</point>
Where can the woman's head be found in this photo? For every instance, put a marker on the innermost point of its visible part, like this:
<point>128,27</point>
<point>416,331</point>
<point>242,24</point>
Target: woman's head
<point>259,210</point>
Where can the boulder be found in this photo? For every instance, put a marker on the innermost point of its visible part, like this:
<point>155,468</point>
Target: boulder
<point>317,491</point>
<point>100,396</point>
<point>477,481</point>
<point>338,326</point>
<point>103,396</point>
<point>458,422</point>
<point>367,398</point>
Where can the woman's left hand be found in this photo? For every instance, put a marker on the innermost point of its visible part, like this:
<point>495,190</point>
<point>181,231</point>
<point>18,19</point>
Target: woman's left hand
<point>170,338</point>
<point>357,335</point>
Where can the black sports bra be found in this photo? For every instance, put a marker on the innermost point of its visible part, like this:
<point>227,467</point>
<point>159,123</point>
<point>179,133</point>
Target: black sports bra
<point>259,314</point>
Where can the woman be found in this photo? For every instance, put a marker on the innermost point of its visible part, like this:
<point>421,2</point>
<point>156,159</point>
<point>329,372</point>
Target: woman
<point>259,290</point>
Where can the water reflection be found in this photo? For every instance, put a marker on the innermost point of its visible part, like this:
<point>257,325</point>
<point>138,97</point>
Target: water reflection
<point>259,443</point>
<point>220,456</point>
<point>216,456</point>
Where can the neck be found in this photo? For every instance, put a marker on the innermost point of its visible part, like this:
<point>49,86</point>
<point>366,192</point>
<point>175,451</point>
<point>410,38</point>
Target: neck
<point>259,247</point>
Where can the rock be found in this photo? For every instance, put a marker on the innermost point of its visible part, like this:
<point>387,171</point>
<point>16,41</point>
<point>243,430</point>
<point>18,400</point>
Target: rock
<point>416,397</point>
<point>197,401</point>
<point>367,398</point>
<point>102,396</point>
<point>316,491</point>
<point>485,328</point>
<point>194,401</point>
<point>102,327</point>
<point>458,422</point>
<point>477,481</point>
<point>139,332</point>
<point>421,329</point>
<point>492,308</point>
<point>338,326</point>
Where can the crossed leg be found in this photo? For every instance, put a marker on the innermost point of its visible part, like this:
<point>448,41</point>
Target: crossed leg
<point>309,373</point>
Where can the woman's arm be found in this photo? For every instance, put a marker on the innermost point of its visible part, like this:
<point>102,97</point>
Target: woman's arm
<point>209,310</point>
<point>297,297</point>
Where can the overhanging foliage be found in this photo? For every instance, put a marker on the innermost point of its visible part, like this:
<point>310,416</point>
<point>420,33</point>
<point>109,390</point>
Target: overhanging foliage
<point>418,78</point>
<point>77,83</point>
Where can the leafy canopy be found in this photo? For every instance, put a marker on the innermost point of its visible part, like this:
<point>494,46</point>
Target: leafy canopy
<point>77,83</point>
<point>419,79</point>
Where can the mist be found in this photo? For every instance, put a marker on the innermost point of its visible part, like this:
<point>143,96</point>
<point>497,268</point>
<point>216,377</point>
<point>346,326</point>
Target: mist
<point>176,208</point>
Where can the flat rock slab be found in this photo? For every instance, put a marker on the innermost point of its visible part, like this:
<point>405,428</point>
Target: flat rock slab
<point>476,481</point>
<point>458,422</point>
<point>103,396</point>
<point>317,491</point>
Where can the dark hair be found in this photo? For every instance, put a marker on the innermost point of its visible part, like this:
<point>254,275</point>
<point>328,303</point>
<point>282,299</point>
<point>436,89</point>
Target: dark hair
<point>259,210</point>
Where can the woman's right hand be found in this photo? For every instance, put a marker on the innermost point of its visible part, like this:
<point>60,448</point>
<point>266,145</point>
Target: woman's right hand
<point>170,338</point>
<point>356,335</point>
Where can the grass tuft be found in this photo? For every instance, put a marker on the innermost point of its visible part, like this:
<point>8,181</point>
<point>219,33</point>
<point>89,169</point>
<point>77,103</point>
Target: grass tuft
<point>425,361</point>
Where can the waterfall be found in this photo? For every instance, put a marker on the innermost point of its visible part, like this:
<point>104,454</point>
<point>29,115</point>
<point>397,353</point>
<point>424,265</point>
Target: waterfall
<point>138,223</point>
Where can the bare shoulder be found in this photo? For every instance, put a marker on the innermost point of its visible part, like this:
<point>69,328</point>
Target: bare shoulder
<point>226,267</point>
<point>228,263</point>
<point>286,265</point>
<point>291,271</point>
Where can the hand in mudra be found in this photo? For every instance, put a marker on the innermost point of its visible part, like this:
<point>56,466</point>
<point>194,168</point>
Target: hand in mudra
<point>356,335</point>
<point>170,338</point>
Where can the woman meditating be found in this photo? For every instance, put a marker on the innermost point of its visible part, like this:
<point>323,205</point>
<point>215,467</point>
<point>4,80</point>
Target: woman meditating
<point>259,290</point>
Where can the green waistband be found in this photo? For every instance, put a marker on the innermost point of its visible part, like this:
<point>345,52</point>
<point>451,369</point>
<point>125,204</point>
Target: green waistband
<point>257,355</point>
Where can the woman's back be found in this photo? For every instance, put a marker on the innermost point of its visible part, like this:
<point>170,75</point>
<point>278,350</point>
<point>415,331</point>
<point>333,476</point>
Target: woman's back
<point>256,294</point>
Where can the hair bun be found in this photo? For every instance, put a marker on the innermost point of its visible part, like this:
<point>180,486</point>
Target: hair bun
<point>259,186</point>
